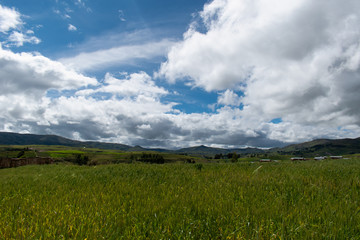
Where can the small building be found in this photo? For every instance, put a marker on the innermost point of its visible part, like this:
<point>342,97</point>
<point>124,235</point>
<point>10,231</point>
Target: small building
<point>319,158</point>
<point>336,157</point>
<point>297,159</point>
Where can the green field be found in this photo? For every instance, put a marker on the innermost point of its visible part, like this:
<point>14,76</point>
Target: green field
<point>281,200</point>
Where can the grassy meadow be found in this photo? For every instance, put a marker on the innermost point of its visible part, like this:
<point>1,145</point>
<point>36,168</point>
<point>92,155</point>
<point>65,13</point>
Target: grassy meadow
<point>278,200</point>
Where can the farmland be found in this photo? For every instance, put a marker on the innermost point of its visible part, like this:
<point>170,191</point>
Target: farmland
<point>93,156</point>
<point>243,200</point>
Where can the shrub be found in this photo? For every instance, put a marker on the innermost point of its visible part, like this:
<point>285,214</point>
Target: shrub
<point>199,166</point>
<point>152,158</point>
<point>234,157</point>
<point>81,159</point>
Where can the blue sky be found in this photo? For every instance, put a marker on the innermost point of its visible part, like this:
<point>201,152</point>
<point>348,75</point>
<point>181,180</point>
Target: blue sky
<point>94,18</point>
<point>223,73</point>
<point>101,25</point>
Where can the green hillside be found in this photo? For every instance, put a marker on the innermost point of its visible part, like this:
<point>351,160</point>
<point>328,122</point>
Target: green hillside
<point>32,139</point>
<point>322,147</point>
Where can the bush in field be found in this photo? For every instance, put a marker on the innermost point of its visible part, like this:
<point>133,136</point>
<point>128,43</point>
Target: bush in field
<point>189,161</point>
<point>152,158</point>
<point>81,159</point>
<point>234,157</point>
<point>199,166</point>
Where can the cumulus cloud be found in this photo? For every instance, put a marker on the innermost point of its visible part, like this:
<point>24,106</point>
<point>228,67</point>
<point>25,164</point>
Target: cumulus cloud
<point>119,120</point>
<point>132,103</point>
<point>11,26</point>
<point>133,85</point>
<point>18,39</point>
<point>25,80</point>
<point>298,60</point>
<point>9,19</point>
<point>33,72</point>
<point>229,98</point>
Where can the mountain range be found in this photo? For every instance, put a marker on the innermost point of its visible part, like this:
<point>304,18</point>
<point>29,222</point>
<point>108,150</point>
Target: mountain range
<point>313,148</point>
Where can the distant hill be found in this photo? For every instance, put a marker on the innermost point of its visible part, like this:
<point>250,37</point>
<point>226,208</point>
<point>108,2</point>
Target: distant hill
<point>322,147</point>
<point>32,139</point>
<point>7,138</point>
<point>141,149</point>
<point>209,151</point>
<point>313,148</point>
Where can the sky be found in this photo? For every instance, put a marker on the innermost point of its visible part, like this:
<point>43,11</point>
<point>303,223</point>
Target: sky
<point>180,73</point>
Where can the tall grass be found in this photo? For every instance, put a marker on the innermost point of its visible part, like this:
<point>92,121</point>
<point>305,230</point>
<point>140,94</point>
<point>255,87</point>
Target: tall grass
<point>307,200</point>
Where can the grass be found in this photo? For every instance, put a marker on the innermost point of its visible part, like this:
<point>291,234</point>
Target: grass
<point>284,200</point>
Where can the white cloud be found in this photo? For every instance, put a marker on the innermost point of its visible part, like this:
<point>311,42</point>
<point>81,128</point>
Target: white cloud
<point>122,116</point>
<point>72,28</point>
<point>229,98</point>
<point>18,39</point>
<point>9,19</point>
<point>117,55</point>
<point>32,72</point>
<point>122,16</point>
<point>136,84</point>
<point>11,26</point>
<point>298,60</point>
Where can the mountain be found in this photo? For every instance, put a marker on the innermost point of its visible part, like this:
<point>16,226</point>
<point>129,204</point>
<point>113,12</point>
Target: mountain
<point>7,138</point>
<point>200,150</point>
<point>322,147</point>
<point>209,151</point>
